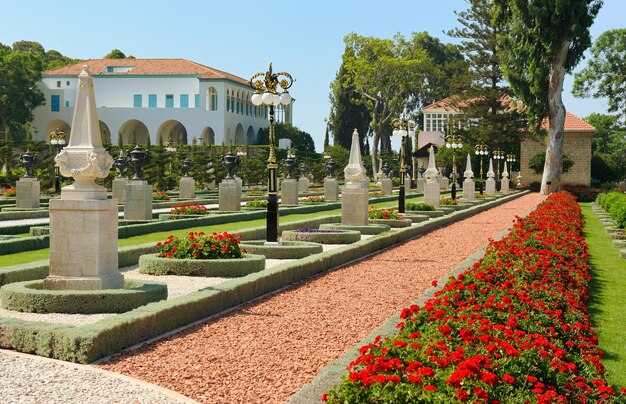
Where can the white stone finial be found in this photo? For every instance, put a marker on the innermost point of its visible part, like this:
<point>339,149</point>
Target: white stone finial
<point>84,158</point>
<point>490,173</point>
<point>354,171</point>
<point>431,172</point>
<point>468,168</point>
<point>505,172</point>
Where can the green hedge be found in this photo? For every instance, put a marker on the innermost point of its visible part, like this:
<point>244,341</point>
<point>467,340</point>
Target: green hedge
<point>25,214</point>
<point>392,223</point>
<point>87,343</point>
<point>326,237</point>
<point>24,244</point>
<point>282,251</point>
<point>152,264</point>
<point>367,229</point>
<point>416,218</point>
<point>31,297</point>
<point>614,203</point>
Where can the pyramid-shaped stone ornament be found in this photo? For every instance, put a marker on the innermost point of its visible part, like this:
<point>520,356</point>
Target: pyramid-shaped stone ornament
<point>468,169</point>
<point>505,172</point>
<point>354,171</point>
<point>84,158</point>
<point>490,173</point>
<point>431,172</point>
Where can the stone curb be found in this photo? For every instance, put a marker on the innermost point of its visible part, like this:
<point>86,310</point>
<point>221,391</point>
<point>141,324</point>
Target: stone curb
<point>176,397</point>
<point>332,373</point>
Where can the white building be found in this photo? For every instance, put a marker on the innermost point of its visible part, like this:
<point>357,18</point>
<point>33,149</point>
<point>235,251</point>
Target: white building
<point>159,98</point>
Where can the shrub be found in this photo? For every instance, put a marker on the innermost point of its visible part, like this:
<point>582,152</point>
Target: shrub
<point>534,186</point>
<point>189,209</point>
<point>255,192</point>
<point>160,196</point>
<point>512,328</point>
<point>447,202</point>
<point>423,207</point>
<point>614,203</point>
<point>312,200</point>
<point>9,192</point>
<point>582,193</point>
<point>201,246</point>
<point>537,162</point>
<point>383,213</point>
<point>376,193</point>
<point>257,203</point>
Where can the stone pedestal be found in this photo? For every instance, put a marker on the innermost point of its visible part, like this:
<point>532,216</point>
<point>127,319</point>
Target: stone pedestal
<point>119,189</point>
<point>83,245</point>
<point>138,200</point>
<point>504,185</point>
<point>419,184</point>
<point>432,192</point>
<point>354,205</point>
<point>444,183</point>
<point>303,185</point>
<point>490,186</point>
<point>386,185</point>
<point>469,190</point>
<point>27,193</point>
<point>289,192</point>
<point>331,189</point>
<point>230,195</point>
<point>187,188</point>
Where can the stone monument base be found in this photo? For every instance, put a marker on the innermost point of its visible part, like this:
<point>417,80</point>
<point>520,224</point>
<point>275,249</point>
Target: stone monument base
<point>138,200</point>
<point>230,195</point>
<point>469,190</point>
<point>303,185</point>
<point>354,206</point>
<point>490,186</point>
<point>118,189</point>
<point>83,245</point>
<point>331,189</point>
<point>289,191</point>
<point>27,191</point>
<point>386,185</point>
<point>187,188</point>
<point>419,184</point>
<point>444,183</point>
<point>504,185</point>
<point>432,193</point>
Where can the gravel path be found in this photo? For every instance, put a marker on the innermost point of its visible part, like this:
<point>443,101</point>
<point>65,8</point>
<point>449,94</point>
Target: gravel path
<point>265,351</point>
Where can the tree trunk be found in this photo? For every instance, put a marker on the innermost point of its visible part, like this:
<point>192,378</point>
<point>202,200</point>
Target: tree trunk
<point>374,147</point>
<point>556,124</point>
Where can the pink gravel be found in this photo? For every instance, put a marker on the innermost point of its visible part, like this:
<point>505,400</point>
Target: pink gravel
<point>263,352</point>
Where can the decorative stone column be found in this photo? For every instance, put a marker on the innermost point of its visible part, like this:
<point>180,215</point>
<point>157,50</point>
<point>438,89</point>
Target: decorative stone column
<point>490,186</point>
<point>469,186</point>
<point>187,185</point>
<point>303,181</point>
<point>83,223</point>
<point>118,191</point>
<point>230,188</point>
<point>138,193</point>
<point>386,183</point>
<point>504,186</point>
<point>432,191</point>
<point>289,186</point>
<point>331,185</point>
<point>355,196</point>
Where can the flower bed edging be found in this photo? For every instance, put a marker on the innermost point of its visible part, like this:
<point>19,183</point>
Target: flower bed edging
<point>429,213</point>
<point>323,237</point>
<point>416,218</point>
<point>283,250</point>
<point>30,297</point>
<point>152,264</point>
<point>369,229</point>
<point>392,223</point>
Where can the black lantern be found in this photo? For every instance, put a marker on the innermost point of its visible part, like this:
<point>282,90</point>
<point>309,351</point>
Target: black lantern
<point>121,163</point>
<point>28,161</point>
<point>139,157</point>
<point>289,163</point>
<point>230,162</point>
<point>330,167</point>
<point>187,165</point>
<point>386,168</point>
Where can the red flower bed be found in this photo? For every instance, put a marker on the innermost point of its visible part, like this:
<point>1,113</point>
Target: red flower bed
<point>514,328</point>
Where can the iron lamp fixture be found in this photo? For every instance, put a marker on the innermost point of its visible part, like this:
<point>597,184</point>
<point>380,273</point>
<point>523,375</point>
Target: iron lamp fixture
<point>402,127</point>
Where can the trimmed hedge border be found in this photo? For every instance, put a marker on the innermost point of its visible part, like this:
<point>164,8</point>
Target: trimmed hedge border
<point>25,214</point>
<point>30,297</point>
<point>283,250</point>
<point>152,264</point>
<point>369,229</point>
<point>415,218</point>
<point>392,222</point>
<point>429,213</point>
<point>88,343</point>
<point>617,234</point>
<point>342,237</point>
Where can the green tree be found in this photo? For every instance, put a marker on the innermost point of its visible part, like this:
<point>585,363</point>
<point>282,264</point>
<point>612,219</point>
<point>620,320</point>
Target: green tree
<point>300,140</point>
<point>19,73</point>
<point>604,74</point>
<point>115,54</point>
<point>493,117</point>
<point>541,41</point>
<point>610,132</point>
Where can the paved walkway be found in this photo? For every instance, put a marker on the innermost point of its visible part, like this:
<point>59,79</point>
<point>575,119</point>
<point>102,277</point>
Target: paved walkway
<point>267,350</point>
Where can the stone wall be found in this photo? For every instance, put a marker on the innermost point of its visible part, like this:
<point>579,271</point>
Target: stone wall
<point>576,145</point>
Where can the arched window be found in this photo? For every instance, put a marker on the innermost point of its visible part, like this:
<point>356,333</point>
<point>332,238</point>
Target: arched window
<point>211,99</point>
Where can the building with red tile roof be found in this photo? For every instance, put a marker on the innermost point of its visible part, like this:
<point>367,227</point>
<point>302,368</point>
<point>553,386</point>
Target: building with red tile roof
<point>157,98</point>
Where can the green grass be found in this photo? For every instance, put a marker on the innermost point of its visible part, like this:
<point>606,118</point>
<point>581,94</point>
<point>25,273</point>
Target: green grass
<point>608,296</point>
<point>29,256</point>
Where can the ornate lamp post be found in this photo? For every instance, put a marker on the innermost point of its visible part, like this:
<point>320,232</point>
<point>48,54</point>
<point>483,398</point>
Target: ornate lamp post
<point>268,83</point>
<point>511,158</point>
<point>57,140</point>
<point>454,142</point>
<point>404,128</point>
<point>481,150</point>
<point>498,155</point>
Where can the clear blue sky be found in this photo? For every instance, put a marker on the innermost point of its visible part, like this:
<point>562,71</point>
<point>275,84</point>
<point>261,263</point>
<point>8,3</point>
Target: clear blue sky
<point>304,38</point>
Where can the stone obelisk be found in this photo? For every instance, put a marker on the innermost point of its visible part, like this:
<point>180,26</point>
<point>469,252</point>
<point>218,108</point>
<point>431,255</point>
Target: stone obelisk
<point>490,187</point>
<point>83,223</point>
<point>469,186</point>
<point>504,186</point>
<point>432,191</point>
<point>355,197</point>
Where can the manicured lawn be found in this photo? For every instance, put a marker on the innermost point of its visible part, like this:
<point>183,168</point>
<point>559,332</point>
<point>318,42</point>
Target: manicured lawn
<point>29,256</point>
<point>608,297</point>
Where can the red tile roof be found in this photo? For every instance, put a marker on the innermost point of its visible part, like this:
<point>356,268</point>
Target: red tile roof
<point>145,67</point>
<point>453,103</point>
